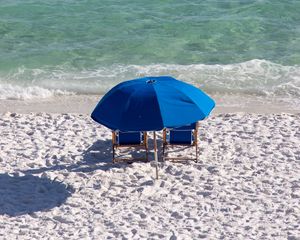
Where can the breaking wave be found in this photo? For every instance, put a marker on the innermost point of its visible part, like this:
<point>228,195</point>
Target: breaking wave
<point>255,77</point>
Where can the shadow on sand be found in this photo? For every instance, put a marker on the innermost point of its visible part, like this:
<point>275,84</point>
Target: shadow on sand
<point>97,157</point>
<point>29,194</point>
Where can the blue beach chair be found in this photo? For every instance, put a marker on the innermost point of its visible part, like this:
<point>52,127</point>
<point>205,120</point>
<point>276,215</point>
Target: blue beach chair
<point>129,140</point>
<point>181,136</point>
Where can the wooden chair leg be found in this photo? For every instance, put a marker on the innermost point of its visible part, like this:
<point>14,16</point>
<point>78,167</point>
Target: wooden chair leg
<point>196,153</point>
<point>147,154</point>
<point>113,160</point>
<point>163,152</point>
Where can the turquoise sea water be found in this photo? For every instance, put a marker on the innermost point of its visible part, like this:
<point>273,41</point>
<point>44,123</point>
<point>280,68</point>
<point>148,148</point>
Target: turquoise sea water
<point>85,47</point>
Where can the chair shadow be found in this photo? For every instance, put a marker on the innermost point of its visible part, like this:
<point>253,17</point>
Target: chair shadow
<point>97,157</point>
<point>28,194</point>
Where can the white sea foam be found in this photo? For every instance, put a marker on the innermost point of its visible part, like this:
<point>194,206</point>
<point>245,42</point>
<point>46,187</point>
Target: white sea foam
<point>8,91</point>
<point>258,77</point>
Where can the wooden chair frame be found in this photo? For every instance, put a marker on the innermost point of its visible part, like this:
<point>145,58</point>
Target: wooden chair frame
<point>115,146</point>
<point>167,145</point>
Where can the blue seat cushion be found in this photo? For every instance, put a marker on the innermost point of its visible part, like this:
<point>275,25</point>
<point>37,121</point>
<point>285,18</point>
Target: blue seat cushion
<point>181,137</point>
<point>127,138</point>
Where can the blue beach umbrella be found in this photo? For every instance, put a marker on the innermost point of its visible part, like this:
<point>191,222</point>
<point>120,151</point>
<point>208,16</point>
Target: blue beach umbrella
<point>151,104</point>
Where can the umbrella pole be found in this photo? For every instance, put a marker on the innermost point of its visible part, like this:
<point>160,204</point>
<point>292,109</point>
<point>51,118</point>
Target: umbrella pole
<point>155,154</point>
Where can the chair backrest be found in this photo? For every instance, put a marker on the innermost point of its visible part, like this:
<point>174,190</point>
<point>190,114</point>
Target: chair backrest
<point>129,138</point>
<point>183,135</point>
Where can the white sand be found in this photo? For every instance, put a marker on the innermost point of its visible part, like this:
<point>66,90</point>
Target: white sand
<point>57,182</point>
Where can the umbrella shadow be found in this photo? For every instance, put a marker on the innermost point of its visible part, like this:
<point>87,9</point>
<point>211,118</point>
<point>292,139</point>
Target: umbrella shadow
<point>28,194</point>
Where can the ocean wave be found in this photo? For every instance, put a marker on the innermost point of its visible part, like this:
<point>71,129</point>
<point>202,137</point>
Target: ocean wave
<point>255,77</point>
<point>13,92</point>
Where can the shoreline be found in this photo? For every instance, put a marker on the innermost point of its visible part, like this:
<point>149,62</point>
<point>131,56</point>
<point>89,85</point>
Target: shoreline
<point>84,104</point>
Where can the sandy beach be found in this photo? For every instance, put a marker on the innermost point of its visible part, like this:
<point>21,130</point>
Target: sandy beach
<point>57,180</point>
<point>57,177</point>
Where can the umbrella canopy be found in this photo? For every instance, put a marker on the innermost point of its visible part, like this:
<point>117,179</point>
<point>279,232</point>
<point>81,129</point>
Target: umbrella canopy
<point>152,103</point>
